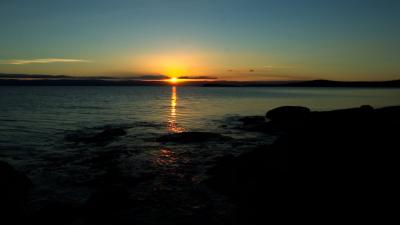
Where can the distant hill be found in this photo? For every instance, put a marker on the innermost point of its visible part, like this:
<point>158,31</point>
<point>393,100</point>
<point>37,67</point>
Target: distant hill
<point>329,83</point>
<point>312,83</point>
<point>156,80</point>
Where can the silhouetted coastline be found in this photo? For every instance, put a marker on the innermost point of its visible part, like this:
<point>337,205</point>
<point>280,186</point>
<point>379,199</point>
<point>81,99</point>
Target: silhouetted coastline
<point>324,158</point>
<point>158,80</point>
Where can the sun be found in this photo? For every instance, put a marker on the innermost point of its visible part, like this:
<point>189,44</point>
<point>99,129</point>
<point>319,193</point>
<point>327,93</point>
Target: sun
<point>173,80</point>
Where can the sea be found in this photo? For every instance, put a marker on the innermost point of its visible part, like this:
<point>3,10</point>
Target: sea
<point>36,123</point>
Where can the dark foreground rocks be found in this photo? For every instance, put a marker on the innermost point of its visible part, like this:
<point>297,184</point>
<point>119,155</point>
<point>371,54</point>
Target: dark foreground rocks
<point>190,137</point>
<point>324,167</point>
<point>14,192</point>
<point>321,161</point>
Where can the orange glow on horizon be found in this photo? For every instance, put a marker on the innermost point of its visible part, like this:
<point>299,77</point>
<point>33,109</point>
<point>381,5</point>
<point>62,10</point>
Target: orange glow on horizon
<point>173,80</point>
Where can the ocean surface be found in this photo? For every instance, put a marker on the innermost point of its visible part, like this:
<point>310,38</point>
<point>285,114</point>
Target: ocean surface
<point>36,123</point>
<point>35,116</point>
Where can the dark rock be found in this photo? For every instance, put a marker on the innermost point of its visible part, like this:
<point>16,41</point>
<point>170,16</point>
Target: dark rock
<point>14,192</point>
<point>345,114</point>
<point>288,113</point>
<point>287,118</point>
<point>335,156</point>
<point>188,137</point>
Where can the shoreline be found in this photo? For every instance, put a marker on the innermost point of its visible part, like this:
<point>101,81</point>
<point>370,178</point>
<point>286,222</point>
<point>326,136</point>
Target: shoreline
<point>328,149</point>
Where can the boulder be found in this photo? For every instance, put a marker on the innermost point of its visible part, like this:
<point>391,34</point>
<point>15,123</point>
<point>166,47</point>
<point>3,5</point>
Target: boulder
<point>351,113</point>
<point>189,137</point>
<point>288,113</point>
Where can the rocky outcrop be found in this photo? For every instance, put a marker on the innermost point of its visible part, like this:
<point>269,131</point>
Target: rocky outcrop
<point>322,158</point>
<point>288,113</point>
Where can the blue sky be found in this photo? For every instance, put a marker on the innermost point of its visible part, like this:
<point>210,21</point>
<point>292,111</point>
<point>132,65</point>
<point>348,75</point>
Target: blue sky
<point>240,40</point>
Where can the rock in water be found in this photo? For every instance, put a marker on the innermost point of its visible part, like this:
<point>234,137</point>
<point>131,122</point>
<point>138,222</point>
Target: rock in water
<point>14,191</point>
<point>188,137</point>
<point>288,113</point>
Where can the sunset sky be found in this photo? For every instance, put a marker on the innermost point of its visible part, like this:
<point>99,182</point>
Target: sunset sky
<point>228,39</point>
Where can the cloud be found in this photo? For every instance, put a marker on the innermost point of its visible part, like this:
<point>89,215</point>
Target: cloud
<point>110,77</point>
<point>198,77</point>
<point>31,76</point>
<point>42,61</point>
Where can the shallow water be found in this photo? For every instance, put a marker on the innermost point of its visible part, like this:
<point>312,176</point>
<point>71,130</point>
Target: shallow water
<point>35,123</point>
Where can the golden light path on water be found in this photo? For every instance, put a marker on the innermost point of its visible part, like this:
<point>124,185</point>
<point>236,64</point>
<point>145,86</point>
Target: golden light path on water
<point>166,156</point>
<point>172,122</point>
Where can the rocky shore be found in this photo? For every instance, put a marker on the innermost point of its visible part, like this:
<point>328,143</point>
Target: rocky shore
<point>319,160</point>
<point>323,164</point>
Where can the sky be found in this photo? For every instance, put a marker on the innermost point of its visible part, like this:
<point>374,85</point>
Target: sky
<point>228,39</point>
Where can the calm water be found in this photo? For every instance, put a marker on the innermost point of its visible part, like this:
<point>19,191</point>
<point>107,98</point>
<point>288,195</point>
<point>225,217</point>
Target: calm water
<point>35,115</point>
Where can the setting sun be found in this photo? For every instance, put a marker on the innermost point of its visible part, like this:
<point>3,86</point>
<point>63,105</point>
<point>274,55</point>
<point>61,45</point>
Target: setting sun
<point>173,80</point>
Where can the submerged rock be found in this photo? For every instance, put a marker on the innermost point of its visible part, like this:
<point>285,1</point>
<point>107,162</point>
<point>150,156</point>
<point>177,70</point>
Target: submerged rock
<point>188,137</point>
<point>14,191</point>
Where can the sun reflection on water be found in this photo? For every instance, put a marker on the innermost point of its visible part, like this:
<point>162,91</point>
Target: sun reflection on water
<point>165,157</point>
<point>172,124</point>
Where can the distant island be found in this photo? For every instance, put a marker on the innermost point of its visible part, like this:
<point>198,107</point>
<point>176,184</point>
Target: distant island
<point>150,80</point>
